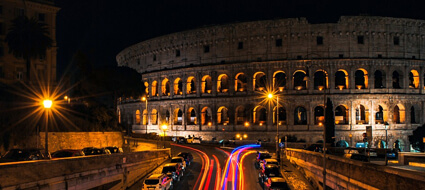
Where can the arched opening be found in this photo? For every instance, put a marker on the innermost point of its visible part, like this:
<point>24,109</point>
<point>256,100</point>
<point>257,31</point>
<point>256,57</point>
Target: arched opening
<point>165,87</point>
<point>191,116</point>
<point>396,115</point>
<point>138,117</point>
<point>222,116</point>
<point>178,86</point>
<point>119,116</point>
<point>362,115</point>
<point>146,88</point>
<point>299,82</point>
<point>145,117</point>
<point>342,143</point>
<point>379,115</point>
<point>320,80</point>
<point>415,114</point>
<point>361,79</point>
<point>154,117</point>
<point>319,115</point>
<point>191,85</point>
<point>396,80</point>
<point>282,115</point>
<point>178,116</point>
<point>399,145</point>
<point>259,81</point>
<point>154,88</point>
<point>240,82</point>
<point>300,116</point>
<point>341,79</point>
<point>241,115</point>
<point>206,116</point>
<point>222,83</point>
<point>206,84</point>
<point>379,79</point>
<point>414,79</point>
<point>341,115</point>
<point>260,115</point>
<point>279,80</point>
<point>167,117</point>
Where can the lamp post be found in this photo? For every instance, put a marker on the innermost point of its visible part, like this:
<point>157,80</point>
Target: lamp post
<point>147,112</point>
<point>386,142</point>
<point>270,96</point>
<point>47,105</point>
<point>164,128</point>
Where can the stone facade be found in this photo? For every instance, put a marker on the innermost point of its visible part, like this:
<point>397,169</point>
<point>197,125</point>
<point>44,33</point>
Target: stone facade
<point>214,81</point>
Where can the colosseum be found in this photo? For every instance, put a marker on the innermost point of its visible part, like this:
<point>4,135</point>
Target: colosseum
<point>213,81</point>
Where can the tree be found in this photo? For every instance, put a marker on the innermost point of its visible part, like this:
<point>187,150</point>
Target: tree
<point>329,122</point>
<point>29,39</point>
<point>416,139</point>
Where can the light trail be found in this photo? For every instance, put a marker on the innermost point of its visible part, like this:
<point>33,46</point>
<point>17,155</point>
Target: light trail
<point>209,175</point>
<point>241,176</point>
<point>217,174</point>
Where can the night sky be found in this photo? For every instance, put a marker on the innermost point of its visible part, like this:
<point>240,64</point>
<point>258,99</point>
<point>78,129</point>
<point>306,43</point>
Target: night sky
<point>102,28</point>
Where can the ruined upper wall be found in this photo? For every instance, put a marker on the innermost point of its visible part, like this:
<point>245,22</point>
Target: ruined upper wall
<point>293,38</point>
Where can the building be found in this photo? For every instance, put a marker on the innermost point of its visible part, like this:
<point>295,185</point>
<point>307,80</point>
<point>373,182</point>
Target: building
<point>14,69</point>
<point>211,81</point>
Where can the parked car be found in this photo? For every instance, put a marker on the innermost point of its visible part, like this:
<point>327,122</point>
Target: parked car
<point>196,140</point>
<point>67,153</point>
<point>95,151</point>
<point>355,155</point>
<point>268,161</point>
<point>179,160</point>
<point>16,155</point>
<point>158,182</point>
<point>187,157</point>
<point>173,170</point>
<point>269,170</point>
<point>114,149</point>
<point>276,183</point>
<point>260,157</point>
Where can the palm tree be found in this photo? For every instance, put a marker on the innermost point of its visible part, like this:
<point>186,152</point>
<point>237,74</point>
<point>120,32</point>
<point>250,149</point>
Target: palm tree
<point>29,39</point>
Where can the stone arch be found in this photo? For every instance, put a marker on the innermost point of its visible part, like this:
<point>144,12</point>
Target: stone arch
<point>342,115</point>
<point>320,80</point>
<point>222,115</point>
<point>146,87</point>
<point>167,117</point>
<point>145,117</point>
<point>381,114</point>
<point>361,79</point>
<point>282,115</point>
<point>137,117</point>
<point>279,80</point>
<point>415,114</point>
<point>178,116</point>
<point>154,117</point>
<point>397,79</point>
<point>399,114</point>
<point>414,79</point>
<point>165,87</point>
<point>319,115</point>
<point>362,114</point>
<point>241,116</point>
<point>191,85</point>
<point>259,115</point>
<point>223,83</point>
<point>300,116</point>
<point>206,84</point>
<point>259,81</point>
<point>178,86</point>
<point>191,116</point>
<point>341,79</point>
<point>380,79</point>
<point>154,88</point>
<point>241,82</point>
<point>299,80</point>
<point>206,116</point>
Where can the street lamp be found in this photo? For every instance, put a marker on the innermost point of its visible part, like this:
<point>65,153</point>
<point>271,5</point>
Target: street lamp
<point>270,96</point>
<point>386,141</point>
<point>164,128</point>
<point>47,105</point>
<point>147,112</point>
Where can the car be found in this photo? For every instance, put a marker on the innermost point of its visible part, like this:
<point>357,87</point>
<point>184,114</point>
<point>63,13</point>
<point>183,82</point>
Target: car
<point>276,183</point>
<point>67,153</point>
<point>269,161</point>
<point>372,153</point>
<point>269,170</point>
<point>173,170</point>
<point>25,154</point>
<point>260,157</point>
<point>187,157</point>
<point>114,149</point>
<point>95,151</point>
<point>355,155</point>
<point>179,160</point>
<point>196,140</point>
<point>158,182</point>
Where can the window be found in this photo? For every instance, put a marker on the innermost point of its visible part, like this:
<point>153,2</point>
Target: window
<point>341,56</point>
<point>240,45</point>
<point>360,39</point>
<point>177,53</point>
<point>206,49</point>
<point>278,42</point>
<point>154,57</point>
<point>1,28</point>
<point>41,17</point>
<point>319,40</point>
<point>396,40</point>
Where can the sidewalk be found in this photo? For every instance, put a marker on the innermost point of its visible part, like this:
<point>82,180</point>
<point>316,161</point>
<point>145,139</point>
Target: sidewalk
<point>295,179</point>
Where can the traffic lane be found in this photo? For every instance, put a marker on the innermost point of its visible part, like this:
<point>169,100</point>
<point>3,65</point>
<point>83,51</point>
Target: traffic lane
<point>192,173</point>
<point>250,173</point>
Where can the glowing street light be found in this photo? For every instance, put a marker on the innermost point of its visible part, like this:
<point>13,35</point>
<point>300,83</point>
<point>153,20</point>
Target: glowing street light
<point>47,105</point>
<point>270,96</point>
<point>164,127</point>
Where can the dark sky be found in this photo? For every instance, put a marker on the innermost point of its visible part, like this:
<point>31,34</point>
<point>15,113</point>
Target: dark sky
<point>102,28</point>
